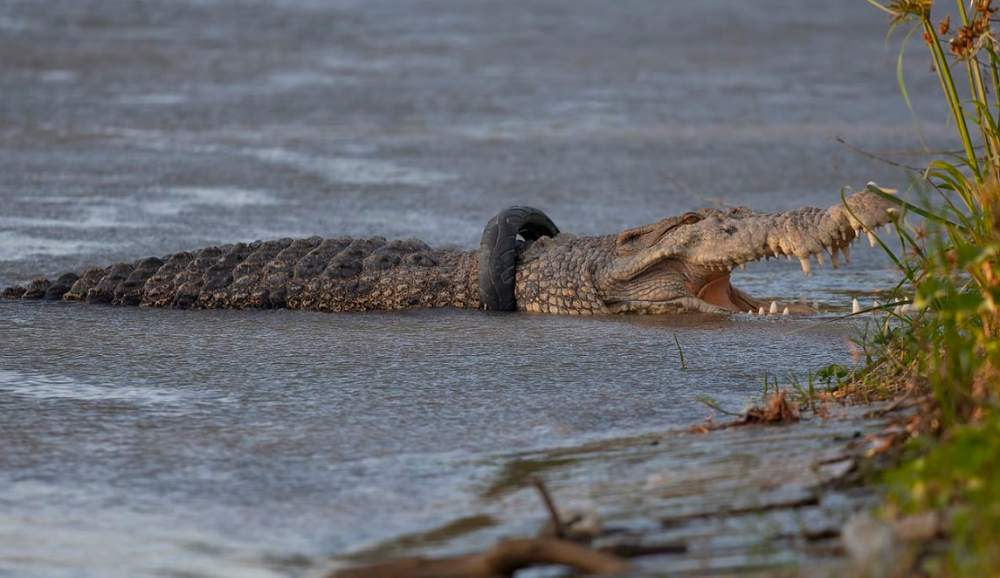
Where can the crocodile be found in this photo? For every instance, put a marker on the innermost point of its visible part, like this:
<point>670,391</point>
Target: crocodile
<point>678,264</point>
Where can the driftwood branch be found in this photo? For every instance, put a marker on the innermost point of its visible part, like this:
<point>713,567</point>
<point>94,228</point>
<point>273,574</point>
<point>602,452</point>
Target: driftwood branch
<point>503,559</point>
<point>555,524</point>
<point>506,557</point>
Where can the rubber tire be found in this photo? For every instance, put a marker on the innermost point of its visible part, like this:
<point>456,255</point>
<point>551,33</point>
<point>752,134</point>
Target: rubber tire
<point>498,253</point>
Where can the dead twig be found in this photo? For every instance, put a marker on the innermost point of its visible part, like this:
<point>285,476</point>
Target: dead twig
<point>503,559</point>
<point>896,403</point>
<point>555,524</point>
<point>553,546</point>
<point>776,410</point>
<point>810,500</point>
<point>626,550</point>
<point>875,156</point>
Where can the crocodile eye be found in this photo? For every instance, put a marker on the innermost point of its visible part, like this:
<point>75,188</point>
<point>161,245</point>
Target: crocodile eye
<point>690,218</point>
<point>729,229</point>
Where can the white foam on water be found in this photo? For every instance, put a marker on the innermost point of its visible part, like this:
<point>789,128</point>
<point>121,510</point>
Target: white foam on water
<point>295,79</point>
<point>157,140</point>
<point>163,99</point>
<point>58,76</point>
<point>53,543</point>
<point>338,61</point>
<point>46,386</point>
<point>222,196</point>
<point>352,170</point>
<point>98,216</point>
<point>348,63</point>
<point>17,246</point>
<point>174,201</point>
<point>348,170</point>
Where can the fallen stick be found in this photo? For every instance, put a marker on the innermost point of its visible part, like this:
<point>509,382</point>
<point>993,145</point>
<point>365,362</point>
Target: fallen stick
<point>554,520</point>
<point>503,559</point>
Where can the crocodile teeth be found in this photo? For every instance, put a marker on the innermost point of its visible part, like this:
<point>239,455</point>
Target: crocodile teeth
<point>816,304</point>
<point>847,252</point>
<point>786,312</point>
<point>761,311</point>
<point>855,307</point>
<point>774,308</point>
<point>871,238</point>
<point>834,257</point>
<point>743,266</point>
<point>749,311</point>
<point>876,304</point>
<point>819,259</point>
<point>805,266</point>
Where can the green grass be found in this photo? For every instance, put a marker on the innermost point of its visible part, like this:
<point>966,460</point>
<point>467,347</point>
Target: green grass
<point>961,479</point>
<point>949,348</point>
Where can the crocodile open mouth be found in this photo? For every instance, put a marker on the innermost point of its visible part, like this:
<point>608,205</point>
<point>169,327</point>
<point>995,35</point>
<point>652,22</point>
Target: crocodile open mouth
<point>712,284</point>
<point>721,293</point>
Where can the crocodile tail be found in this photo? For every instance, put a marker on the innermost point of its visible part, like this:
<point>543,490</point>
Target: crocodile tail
<point>341,274</point>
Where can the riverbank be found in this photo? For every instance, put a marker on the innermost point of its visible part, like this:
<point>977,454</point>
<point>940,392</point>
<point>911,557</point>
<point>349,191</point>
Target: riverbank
<point>758,500</point>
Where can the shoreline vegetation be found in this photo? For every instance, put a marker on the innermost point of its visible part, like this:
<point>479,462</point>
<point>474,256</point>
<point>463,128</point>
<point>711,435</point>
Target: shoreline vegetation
<point>946,354</point>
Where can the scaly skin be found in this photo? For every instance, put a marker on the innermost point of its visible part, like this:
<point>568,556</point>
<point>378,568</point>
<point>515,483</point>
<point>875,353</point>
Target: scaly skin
<point>319,274</point>
<point>683,263</point>
<point>679,264</point>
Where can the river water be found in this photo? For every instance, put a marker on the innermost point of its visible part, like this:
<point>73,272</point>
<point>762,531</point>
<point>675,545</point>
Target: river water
<point>221,443</point>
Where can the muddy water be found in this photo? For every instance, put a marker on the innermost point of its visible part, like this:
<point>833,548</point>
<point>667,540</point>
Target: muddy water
<point>151,443</point>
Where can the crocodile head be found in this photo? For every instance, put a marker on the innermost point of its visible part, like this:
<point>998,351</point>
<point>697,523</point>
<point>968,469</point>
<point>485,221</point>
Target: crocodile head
<point>684,263</point>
